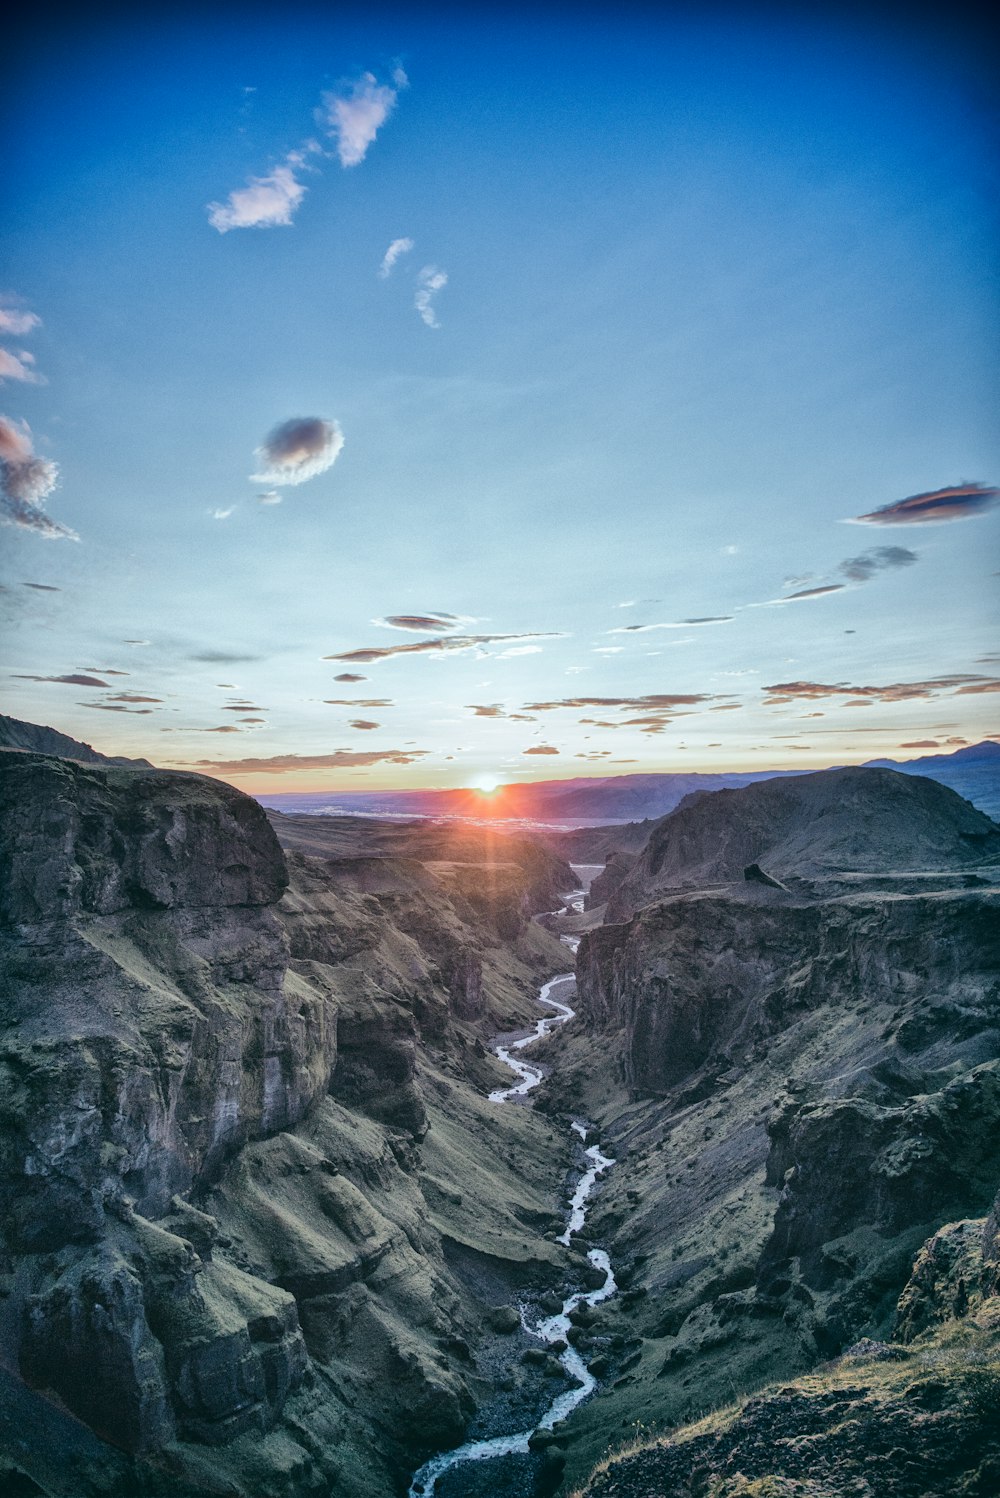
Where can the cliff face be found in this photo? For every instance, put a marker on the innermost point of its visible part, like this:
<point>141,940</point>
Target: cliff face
<point>707,980</point>
<point>798,1082</point>
<point>223,1248</point>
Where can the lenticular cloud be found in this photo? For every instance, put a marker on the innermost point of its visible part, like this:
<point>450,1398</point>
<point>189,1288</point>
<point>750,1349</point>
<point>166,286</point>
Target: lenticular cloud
<point>297,450</point>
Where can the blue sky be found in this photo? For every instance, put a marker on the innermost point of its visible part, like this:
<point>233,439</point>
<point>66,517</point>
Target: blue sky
<point>684,296</point>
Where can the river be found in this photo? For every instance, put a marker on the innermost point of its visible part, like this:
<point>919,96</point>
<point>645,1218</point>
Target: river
<point>551,1329</point>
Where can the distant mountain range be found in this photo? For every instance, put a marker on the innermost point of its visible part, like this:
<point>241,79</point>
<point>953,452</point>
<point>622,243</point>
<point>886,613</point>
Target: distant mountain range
<point>973,772</point>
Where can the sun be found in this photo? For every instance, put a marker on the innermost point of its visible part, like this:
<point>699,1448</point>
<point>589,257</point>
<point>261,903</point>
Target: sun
<point>485,784</point>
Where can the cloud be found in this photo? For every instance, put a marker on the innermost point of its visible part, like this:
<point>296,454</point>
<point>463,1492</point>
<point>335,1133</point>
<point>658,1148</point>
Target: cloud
<point>541,749</point>
<point>486,709</point>
<point>358,701</point>
<point>211,657</point>
<point>350,676</point>
<point>900,691</point>
<point>26,481</point>
<point>114,707</point>
<point>421,623</point>
<point>392,254</point>
<point>42,587</point>
<point>811,592</point>
<point>265,203</point>
<point>132,697</point>
<point>367,654</point>
<point>75,680</point>
<point>355,115</point>
<point>283,764</point>
<point>269,497</point>
<point>429,282</point>
<point>505,655</point>
<point>959,502</point>
<point>657,702</point>
<point>298,450</point>
<point>879,559</point>
<point>921,744</point>
<point>19,366</point>
<point>14,321</point>
<point>364,723</point>
<point>640,629</point>
<point>225,728</point>
<point>222,514</point>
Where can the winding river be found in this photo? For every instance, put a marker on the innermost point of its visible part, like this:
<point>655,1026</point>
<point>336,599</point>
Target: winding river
<point>552,1329</point>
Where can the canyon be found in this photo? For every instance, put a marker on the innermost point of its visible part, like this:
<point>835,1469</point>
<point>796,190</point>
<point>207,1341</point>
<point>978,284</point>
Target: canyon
<point>268,1230</point>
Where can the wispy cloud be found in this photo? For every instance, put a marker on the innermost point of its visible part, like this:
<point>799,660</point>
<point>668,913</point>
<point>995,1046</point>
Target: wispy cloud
<point>350,676</point>
<point>298,450</point>
<point>430,281</point>
<point>222,514</point>
<point>358,701</point>
<point>284,764</point>
<point>662,701</point>
<point>641,629</point>
<point>431,623</point>
<point>269,497</point>
<point>783,692</point>
<point>26,481</point>
<point>367,654</point>
<point>819,592</point>
<point>392,254</point>
<point>211,657</point>
<point>959,502</point>
<point>266,202</point>
<point>354,115</point>
<point>19,366</point>
<point>74,679</point>
<point>16,321</point>
<point>880,559</point>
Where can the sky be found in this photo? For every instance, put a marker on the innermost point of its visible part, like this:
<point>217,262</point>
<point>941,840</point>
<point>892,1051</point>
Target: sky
<point>394,398</point>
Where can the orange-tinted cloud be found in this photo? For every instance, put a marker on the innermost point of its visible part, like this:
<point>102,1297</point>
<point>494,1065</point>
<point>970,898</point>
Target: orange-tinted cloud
<point>899,691</point>
<point>959,502</point>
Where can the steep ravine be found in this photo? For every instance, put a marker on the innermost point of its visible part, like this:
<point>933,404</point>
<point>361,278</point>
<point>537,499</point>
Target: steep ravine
<point>257,1212</point>
<point>800,1085</point>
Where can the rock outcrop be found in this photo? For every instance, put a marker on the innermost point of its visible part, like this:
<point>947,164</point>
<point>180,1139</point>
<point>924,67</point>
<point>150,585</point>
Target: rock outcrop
<point>226,1259</point>
<point>910,1417</point>
<point>810,827</point>
<point>798,1083</point>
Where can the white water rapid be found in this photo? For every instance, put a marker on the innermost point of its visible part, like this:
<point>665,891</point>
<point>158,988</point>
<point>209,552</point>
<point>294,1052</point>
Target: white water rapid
<point>552,1329</point>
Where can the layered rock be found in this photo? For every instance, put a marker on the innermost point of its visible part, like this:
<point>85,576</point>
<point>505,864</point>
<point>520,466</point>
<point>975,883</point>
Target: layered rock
<point>798,1083</point>
<point>217,1244</point>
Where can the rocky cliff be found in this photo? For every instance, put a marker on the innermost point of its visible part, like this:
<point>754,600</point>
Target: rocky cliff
<point>243,1145</point>
<point>799,1079</point>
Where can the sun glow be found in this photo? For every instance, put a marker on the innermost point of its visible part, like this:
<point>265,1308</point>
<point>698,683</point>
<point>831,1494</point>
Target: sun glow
<point>486,784</point>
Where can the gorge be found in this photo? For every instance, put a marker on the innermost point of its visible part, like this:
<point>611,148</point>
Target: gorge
<point>277,1223</point>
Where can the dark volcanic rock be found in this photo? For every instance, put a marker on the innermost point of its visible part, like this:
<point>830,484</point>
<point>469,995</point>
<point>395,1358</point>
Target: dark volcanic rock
<point>809,826</point>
